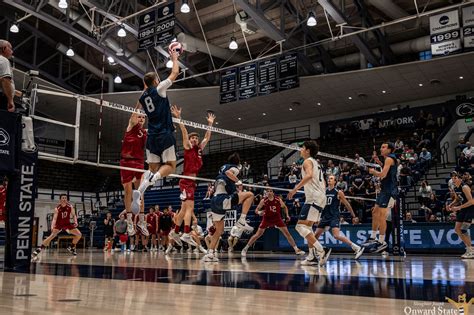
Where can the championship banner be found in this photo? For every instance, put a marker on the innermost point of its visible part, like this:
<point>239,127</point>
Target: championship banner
<point>468,26</point>
<point>445,33</point>
<point>20,214</point>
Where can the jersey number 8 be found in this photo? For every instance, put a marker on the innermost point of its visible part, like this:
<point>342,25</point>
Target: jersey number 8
<point>149,104</point>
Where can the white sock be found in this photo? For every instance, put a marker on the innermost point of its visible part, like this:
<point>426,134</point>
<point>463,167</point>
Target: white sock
<point>319,248</point>
<point>243,216</point>
<point>296,248</point>
<point>382,238</point>
<point>372,234</point>
<point>355,247</point>
<point>210,252</point>
<point>156,177</point>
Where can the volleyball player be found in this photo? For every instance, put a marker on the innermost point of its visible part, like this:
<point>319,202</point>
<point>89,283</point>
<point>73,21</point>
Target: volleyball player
<point>234,237</point>
<point>463,206</point>
<point>315,194</point>
<point>192,164</point>
<point>132,155</point>
<point>386,198</point>
<point>64,214</point>
<point>160,145</point>
<point>271,214</point>
<point>152,226</point>
<point>330,217</point>
<point>142,231</point>
<point>225,198</point>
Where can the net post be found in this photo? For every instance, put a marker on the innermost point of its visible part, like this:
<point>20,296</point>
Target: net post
<point>76,129</point>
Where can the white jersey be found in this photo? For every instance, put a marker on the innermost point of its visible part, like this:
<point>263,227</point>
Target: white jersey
<point>315,189</point>
<point>236,232</point>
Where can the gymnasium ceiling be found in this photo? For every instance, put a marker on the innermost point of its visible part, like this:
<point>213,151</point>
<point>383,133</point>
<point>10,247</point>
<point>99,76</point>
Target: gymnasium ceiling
<point>43,26</point>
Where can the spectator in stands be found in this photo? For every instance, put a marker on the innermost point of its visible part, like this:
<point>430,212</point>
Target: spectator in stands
<point>338,133</point>
<point>245,170</point>
<point>109,224</point>
<point>120,232</point>
<point>407,153</point>
<point>462,164</point>
<point>265,180</point>
<point>398,146</point>
<point>461,143</point>
<point>210,191</point>
<point>370,191</point>
<point>292,179</point>
<point>443,118</point>
<point>421,120</point>
<point>451,217</point>
<point>355,221</point>
<point>430,122</point>
<point>450,181</point>
<point>425,140</point>
<point>296,207</point>
<point>332,169</point>
<point>424,159</point>
<point>358,183</point>
<point>433,219</point>
<point>469,152</point>
<point>425,193</point>
<point>341,184</point>
<point>361,161</point>
<point>467,179</point>
<point>415,169</point>
<point>342,220</point>
<point>406,179</point>
<point>409,218</point>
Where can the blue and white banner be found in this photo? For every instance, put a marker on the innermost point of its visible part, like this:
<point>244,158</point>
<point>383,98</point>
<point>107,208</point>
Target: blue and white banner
<point>438,236</point>
<point>445,33</point>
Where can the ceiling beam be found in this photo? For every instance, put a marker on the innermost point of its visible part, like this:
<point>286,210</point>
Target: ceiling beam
<point>268,27</point>
<point>358,40</point>
<point>75,33</point>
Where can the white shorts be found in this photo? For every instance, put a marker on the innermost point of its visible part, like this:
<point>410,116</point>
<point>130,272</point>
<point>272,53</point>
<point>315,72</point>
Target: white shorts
<point>216,217</point>
<point>310,212</point>
<point>168,155</point>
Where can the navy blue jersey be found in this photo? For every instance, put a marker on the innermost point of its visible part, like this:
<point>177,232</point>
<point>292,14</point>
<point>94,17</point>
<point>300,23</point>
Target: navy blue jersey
<point>229,183</point>
<point>158,111</point>
<point>332,204</point>
<point>462,198</point>
<point>389,183</point>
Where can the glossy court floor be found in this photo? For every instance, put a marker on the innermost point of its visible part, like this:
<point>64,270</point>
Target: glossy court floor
<point>144,283</point>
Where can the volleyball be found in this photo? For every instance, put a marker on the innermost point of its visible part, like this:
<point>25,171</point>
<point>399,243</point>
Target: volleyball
<point>175,47</point>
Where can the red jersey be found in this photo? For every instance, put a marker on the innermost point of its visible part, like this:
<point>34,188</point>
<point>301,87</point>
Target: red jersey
<point>64,215</point>
<point>151,219</point>
<point>133,144</point>
<point>272,209</point>
<point>192,160</point>
<point>3,202</point>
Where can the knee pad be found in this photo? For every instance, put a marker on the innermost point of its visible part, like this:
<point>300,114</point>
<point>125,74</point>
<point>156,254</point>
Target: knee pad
<point>303,230</point>
<point>465,228</point>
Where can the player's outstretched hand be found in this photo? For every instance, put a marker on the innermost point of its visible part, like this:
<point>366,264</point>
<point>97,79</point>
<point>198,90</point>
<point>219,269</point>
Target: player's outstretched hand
<point>210,118</point>
<point>176,111</point>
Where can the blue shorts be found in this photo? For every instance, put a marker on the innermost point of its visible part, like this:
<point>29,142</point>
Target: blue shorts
<point>465,215</point>
<point>158,143</point>
<point>385,200</point>
<point>311,212</point>
<point>224,202</point>
<point>331,222</point>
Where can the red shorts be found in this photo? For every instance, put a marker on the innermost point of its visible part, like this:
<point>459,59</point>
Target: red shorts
<point>65,227</point>
<point>187,188</point>
<point>267,223</point>
<point>151,229</point>
<point>165,232</point>
<point>128,176</point>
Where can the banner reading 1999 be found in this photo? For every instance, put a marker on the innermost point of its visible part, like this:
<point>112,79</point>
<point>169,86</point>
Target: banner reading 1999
<point>445,33</point>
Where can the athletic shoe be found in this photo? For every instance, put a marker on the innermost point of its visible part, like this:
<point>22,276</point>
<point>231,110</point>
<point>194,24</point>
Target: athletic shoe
<point>196,251</point>
<point>72,250</point>
<point>202,249</point>
<point>141,227</point>
<point>188,239</point>
<point>169,249</point>
<point>210,258</point>
<point>243,253</point>
<point>242,224</point>
<point>468,255</point>
<point>36,252</point>
<point>230,250</point>
<point>359,252</point>
<point>379,247</point>
<point>175,237</point>
<point>136,202</point>
<point>300,252</point>
<point>145,249</point>
<point>369,242</point>
<point>132,248</point>
<point>311,260</point>
<point>323,258</point>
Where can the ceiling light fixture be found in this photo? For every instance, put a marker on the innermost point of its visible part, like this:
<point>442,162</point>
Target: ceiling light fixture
<point>290,109</point>
<point>121,32</point>
<point>239,118</point>
<point>70,52</point>
<point>350,97</point>
<point>420,84</point>
<point>111,60</point>
<point>62,4</point>
<point>233,43</point>
<point>319,104</point>
<point>311,21</point>
<point>185,7</point>
<point>118,79</point>
<point>384,91</point>
<point>460,78</point>
<point>14,28</point>
<point>264,114</point>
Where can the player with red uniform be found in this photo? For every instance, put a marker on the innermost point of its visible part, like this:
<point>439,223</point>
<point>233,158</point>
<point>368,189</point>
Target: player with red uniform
<point>133,155</point>
<point>3,199</point>
<point>271,213</point>
<point>152,226</point>
<point>192,164</point>
<point>64,219</point>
